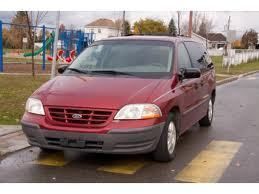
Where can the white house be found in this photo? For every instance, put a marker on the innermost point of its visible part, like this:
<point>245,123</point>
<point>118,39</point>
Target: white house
<point>213,41</point>
<point>103,28</point>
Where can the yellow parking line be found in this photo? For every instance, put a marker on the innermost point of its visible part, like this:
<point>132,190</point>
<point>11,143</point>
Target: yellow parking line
<point>53,159</point>
<point>209,165</point>
<point>128,167</point>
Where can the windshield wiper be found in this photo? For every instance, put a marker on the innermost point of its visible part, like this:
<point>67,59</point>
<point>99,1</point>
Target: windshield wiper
<point>77,70</point>
<point>112,72</point>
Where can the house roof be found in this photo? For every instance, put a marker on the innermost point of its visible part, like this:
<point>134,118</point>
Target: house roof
<point>197,35</point>
<point>216,37</point>
<point>102,22</point>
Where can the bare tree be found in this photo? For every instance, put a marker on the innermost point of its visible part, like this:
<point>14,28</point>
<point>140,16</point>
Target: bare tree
<point>200,20</point>
<point>118,26</point>
<point>179,22</point>
<point>208,23</point>
<point>197,18</point>
<point>184,27</point>
<point>33,20</point>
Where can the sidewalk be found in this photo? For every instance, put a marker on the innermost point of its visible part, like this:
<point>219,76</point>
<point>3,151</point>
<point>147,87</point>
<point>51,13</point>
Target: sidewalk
<point>7,129</point>
<point>11,139</point>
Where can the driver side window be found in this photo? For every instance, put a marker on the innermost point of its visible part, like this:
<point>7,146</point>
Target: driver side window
<point>183,57</point>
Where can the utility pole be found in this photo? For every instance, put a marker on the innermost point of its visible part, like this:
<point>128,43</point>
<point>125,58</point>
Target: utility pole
<point>53,67</point>
<point>123,24</point>
<point>190,24</point>
<point>228,30</point>
<point>228,43</point>
<point>229,20</point>
<point>178,21</point>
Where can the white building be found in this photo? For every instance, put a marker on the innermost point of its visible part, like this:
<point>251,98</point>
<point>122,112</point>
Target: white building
<point>103,28</point>
<point>213,41</point>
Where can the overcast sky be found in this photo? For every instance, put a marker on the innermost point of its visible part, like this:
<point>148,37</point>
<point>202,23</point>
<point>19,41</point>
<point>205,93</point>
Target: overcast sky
<point>240,21</point>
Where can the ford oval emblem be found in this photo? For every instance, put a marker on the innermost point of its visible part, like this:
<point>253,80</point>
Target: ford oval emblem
<point>77,116</point>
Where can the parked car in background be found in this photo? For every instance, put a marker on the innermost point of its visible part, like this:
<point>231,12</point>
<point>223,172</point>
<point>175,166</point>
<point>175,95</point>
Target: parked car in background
<point>125,95</point>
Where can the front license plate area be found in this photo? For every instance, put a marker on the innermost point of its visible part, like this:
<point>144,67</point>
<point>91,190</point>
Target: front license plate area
<point>74,143</point>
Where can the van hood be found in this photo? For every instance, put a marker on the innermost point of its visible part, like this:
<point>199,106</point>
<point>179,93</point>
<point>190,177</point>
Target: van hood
<point>95,92</point>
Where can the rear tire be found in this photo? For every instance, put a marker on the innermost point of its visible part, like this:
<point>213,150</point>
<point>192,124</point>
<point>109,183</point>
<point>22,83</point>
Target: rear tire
<point>206,121</point>
<point>165,150</point>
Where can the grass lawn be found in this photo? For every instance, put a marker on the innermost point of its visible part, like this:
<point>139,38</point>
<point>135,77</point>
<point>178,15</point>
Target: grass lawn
<point>234,70</point>
<point>13,95</point>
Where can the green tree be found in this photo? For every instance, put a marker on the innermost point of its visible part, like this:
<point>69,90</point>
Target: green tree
<point>172,28</point>
<point>249,38</point>
<point>149,26</point>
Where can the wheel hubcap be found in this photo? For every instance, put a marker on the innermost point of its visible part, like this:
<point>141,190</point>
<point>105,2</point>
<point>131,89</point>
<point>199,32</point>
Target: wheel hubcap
<point>210,111</point>
<point>171,137</point>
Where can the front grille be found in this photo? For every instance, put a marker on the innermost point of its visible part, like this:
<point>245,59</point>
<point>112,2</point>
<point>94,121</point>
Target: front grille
<point>79,117</point>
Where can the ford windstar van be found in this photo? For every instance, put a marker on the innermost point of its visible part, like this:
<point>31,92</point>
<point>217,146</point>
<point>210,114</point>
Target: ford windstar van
<point>125,95</point>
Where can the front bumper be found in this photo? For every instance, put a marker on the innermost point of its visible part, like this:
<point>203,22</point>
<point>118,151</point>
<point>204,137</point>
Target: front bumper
<point>116,141</point>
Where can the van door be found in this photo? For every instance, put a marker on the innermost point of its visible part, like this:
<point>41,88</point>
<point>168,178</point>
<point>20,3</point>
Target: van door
<point>199,60</point>
<point>188,90</point>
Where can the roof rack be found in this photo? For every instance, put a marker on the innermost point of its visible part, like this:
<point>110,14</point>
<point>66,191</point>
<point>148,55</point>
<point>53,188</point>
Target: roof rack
<point>151,34</point>
<point>156,34</point>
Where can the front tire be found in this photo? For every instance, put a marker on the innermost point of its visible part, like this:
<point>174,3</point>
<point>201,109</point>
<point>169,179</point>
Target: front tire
<point>165,150</point>
<point>206,121</point>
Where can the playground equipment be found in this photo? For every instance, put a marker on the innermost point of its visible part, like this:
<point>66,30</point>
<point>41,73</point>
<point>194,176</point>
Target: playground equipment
<point>48,42</point>
<point>75,40</point>
<point>60,57</point>
<point>72,43</point>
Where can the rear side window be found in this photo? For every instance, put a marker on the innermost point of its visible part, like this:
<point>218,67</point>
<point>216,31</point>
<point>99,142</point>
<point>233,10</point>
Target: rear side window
<point>183,57</point>
<point>198,54</point>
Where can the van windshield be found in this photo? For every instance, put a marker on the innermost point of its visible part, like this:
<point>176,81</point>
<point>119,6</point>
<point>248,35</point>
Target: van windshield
<point>126,57</point>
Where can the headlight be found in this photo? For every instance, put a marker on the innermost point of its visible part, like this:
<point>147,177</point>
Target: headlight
<point>34,106</point>
<point>139,111</point>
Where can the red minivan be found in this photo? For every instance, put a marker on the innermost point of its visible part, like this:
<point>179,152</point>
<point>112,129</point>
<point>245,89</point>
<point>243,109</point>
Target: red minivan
<point>124,95</point>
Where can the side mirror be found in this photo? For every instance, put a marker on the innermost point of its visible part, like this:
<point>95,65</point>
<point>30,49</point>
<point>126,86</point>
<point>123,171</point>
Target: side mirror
<point>62,69</point>
<point>189,73</point>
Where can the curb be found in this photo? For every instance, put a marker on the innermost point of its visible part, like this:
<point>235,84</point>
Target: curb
<point>230,79</point>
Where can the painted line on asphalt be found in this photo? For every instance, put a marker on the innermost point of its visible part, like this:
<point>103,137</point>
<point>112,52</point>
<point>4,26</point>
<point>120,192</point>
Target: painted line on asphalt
<point>209,165</point>
<point>54,159</point>
<point>128,167</point>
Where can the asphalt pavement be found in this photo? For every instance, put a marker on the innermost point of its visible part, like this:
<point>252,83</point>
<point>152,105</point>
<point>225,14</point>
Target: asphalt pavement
<point>228,151</point>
